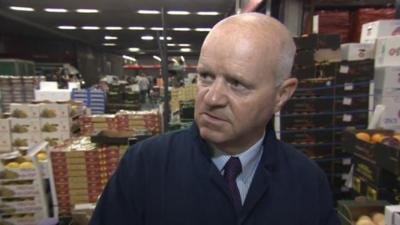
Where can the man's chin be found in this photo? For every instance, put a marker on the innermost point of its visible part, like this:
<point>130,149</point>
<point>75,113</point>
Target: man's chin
<point>212,136</point>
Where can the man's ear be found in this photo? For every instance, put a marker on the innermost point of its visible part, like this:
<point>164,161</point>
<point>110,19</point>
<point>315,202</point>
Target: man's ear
<point>284,92</point>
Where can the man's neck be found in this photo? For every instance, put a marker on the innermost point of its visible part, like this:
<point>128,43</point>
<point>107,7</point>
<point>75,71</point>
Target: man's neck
<point>236,147</point>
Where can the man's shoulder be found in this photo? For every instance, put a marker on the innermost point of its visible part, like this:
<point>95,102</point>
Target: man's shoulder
<point>161,145</point>
<point>298,161</point>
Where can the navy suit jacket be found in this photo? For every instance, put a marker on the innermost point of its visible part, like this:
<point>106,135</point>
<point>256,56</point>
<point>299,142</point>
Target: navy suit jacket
<point>171,180</point>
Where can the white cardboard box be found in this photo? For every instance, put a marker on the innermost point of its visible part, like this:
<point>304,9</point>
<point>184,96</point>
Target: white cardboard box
<point>390,215</point>
<point>387,52</point>
<point>391,100</point>
<point>387,78</point>
<point>21,110</point>
<point>56,95</point>
<point>55,125</point>
<point>357,51</point>
<point>380,28</point>
<point>5,125</point>
<point>25,125</point>
<point>5,141</point>
<point>26,139</point>
<point>54,110</point>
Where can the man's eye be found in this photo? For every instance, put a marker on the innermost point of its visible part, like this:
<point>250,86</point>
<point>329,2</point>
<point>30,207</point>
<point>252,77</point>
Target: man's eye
<point>206,77</point>
<point>235,84</point>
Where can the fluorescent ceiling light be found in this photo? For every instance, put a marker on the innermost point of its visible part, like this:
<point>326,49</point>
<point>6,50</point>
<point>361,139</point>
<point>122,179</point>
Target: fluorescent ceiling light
<point>168,38</point>
<point>208,13</point>
<point>171,44</point>
<point>174,12</point>
<point>183,59</point>
<point>149,12</point>
<point>110,37</point>
<point>185,49</point>
<point>156,58</point>
<point>181,29</point>
<point>147,38</point>
<point>203,29</point>
<point>183,45</point>
<point>66,27</point>
<point>18,8</point>
<point>156,28</point>
<point>55,10</point>
<point>90,28</point>
<point>136,28</point>
<point>129,58</point>
<point>133,49</point>
<point>87,10</point>
<point>113,28</point>
<point>109,44</point>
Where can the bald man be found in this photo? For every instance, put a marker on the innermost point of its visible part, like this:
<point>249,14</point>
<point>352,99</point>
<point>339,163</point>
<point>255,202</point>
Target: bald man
<point>228,168</point>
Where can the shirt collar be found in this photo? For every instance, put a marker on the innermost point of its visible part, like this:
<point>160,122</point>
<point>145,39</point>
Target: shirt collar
<point>248,158</point>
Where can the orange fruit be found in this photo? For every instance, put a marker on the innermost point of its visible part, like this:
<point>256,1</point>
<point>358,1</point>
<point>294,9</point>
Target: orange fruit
<point>363,136</point>
<point>377,138</point>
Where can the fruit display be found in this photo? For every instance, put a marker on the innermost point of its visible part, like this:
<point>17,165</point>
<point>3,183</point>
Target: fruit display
<point>392,140</point>
<point>375,219</point>
<point>22,199</point>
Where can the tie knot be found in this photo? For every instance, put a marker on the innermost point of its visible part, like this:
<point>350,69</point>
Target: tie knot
<point>232,168</point>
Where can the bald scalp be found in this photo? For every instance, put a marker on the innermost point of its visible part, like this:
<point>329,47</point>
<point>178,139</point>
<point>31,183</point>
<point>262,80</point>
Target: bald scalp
<point>269,36</point>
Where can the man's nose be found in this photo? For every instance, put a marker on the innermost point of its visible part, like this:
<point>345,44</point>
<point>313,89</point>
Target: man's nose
<point>216,95</point>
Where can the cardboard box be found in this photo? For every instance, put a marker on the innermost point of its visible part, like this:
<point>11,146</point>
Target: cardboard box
<point>308,42</point>
<point>357,51</point>
<point>25,125</point>
<point>353,89</point>
<point>5,125</point>
<point>391,100</point>
<point>351,103</point>
<point>327,55</point>
<point>380,28</point>
<point>392,214</point>
<point>387,78</point>
<point>349,210</point>
<point>352,71</point>
<point>387,51</point>
<point>304,58</point>
<point>5,141</point>
<point>24,110</point>
<point>56,95</point>
<point>314,87</point>
<point>328,41</point>
<point>25,139</point>
<point>54,138</point>
<point>54,110</point>
<point>308,105</point>
<point>55,125</point>
<point>312,136</point>
<point>388,157</point>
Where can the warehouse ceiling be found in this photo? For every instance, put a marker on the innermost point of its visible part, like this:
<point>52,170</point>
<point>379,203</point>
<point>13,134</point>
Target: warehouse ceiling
<point>117,25</point>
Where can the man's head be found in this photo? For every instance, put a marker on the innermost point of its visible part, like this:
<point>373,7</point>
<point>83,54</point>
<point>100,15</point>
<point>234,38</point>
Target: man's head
<point>244,69</point>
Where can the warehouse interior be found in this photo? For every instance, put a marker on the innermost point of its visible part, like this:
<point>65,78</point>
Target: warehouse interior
<point>84,82</point>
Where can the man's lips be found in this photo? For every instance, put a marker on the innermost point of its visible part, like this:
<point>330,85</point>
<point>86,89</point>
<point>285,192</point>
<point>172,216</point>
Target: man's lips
<point>213,117</point>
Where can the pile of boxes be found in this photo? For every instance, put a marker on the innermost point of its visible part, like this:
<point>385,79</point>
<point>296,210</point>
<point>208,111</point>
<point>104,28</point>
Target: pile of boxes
<point>22,198</point>
<point>185,93</point>
<point>81,172</point>
<point>119,97</point>
<point>309,120</point>
<point>31,124</point>
<point>94,99</point>
<point>376,166</point>
<point>387,68</point>
<point>17,89</point>
<point>139,122</point>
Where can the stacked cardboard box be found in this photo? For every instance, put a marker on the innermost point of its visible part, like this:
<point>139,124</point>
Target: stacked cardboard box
<point>185,93</point>
<point>387,69</point>
<point>17,89</point>
<point>119,97</point>
<point>81,172</point>
<point>139,122</point>
<point>5,135</point>
<point>34,123</point>
<point>94,99</point>
<point>376,166</point>
<point>22,199</point>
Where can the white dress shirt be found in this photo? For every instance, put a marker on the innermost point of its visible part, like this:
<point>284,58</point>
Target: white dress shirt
<point>249,160</point>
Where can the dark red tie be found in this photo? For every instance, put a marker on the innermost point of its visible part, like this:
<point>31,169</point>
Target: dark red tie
<point>231,170</point>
